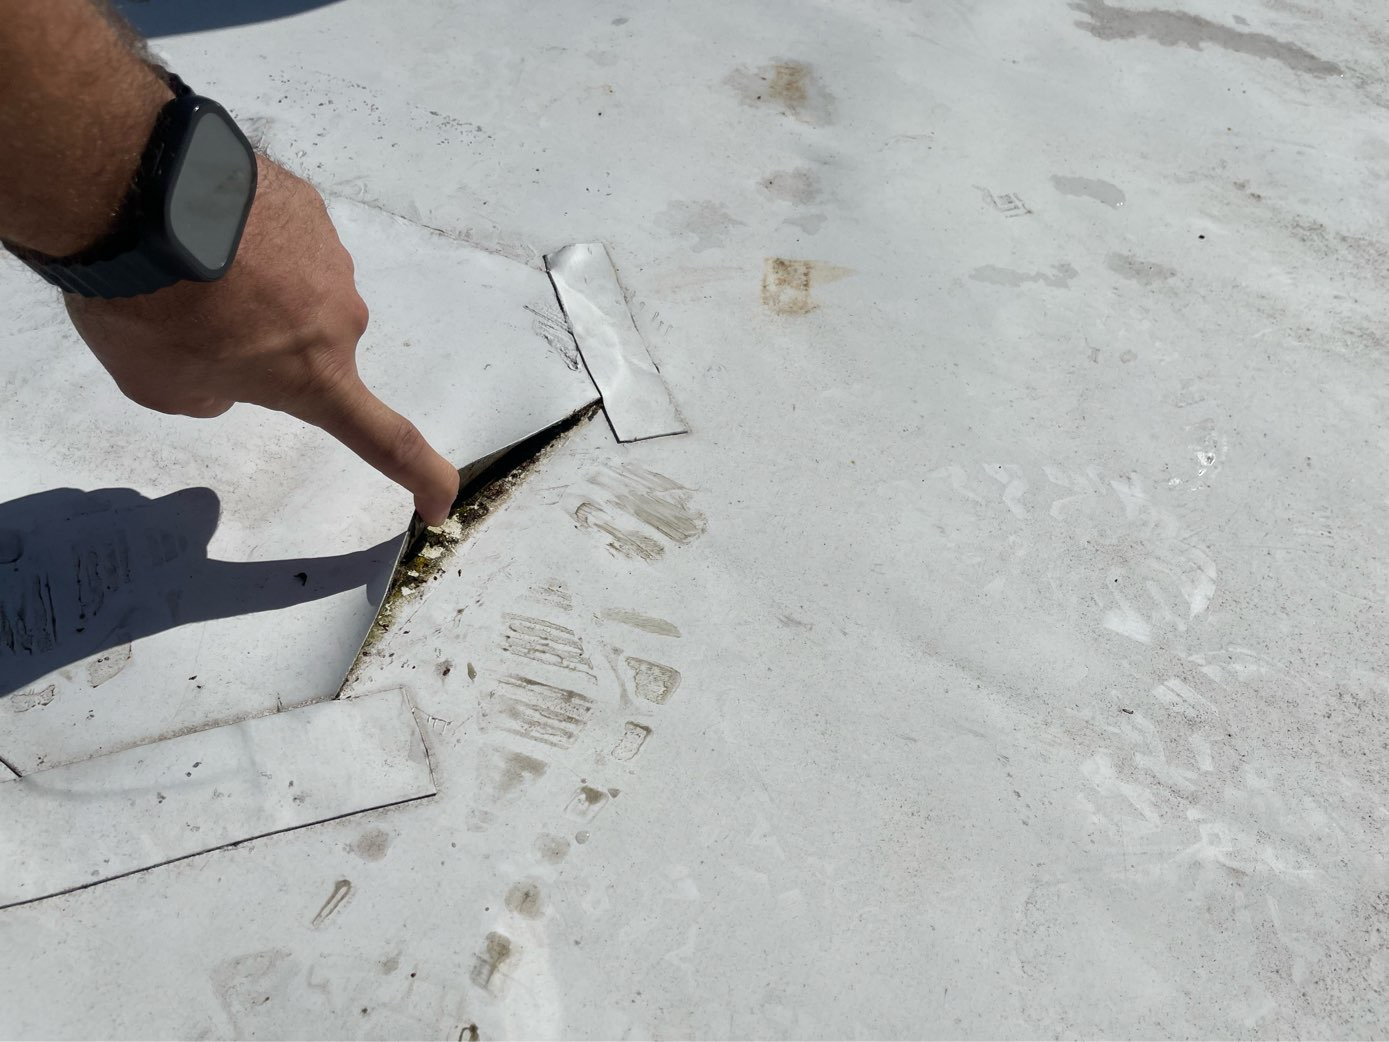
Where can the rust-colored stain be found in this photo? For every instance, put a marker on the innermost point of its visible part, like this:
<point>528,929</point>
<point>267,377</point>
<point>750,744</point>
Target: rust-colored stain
<point>788,84</point>
<point>787,284</point>
<point>488,962</point>
<point>790,87</point>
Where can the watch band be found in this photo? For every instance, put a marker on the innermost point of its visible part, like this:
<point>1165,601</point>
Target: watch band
<point>113,267</point>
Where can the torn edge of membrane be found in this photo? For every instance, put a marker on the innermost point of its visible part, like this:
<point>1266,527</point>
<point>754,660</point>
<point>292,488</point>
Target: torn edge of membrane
<point>636,400</point>
<point>477,495</point>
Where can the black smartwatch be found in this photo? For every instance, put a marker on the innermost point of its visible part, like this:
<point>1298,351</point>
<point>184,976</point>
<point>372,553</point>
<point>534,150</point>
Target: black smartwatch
<point>183,217</point>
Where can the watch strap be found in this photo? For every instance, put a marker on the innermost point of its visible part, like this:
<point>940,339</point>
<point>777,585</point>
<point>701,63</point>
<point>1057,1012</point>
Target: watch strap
<point>113,267</point>
<point>126,274</point>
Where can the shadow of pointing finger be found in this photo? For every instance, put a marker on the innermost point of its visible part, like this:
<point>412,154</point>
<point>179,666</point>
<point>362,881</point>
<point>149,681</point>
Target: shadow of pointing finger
<point>82,572</point>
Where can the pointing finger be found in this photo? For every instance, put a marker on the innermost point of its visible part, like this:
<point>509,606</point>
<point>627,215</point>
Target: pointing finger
<point>388,441</point>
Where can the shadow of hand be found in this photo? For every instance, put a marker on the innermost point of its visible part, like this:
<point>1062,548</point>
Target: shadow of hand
<point>82,572</point>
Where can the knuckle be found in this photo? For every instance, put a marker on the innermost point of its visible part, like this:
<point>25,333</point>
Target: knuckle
<point>404,445</point>
<point>358,315</point>
<point>326,369</point>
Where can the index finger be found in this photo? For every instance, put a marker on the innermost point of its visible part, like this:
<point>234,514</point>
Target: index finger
<point>388,441</point>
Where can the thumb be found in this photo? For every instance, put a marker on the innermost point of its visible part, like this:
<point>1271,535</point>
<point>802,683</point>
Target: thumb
<point>387,440</point>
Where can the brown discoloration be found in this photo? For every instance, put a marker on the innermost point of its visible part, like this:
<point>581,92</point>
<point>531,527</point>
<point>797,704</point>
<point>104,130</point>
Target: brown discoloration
<point>525,900</point>
<point>653,681</point>
<point>787,283</point>
<point>371,845</point>
<point>488,963</point>
<point>790,87</point>
<point>786,286</point>
<point>586,803</point>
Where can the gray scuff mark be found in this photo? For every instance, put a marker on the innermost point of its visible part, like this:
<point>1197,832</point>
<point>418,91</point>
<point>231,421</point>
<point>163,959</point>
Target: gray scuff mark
<point>33,699</point>
<point>503,777</point>
<point>554,594</point>
<point>545,642</point>
<point>634,736</point>
<point>543,713</point>
<point>655,500</point>
<point>554,330</point>
<point>551,849</point>
<point>372,844</point>
<point>647,497</point>
<point>1178,28</point>
<point>708,221</point>
<point>636,545</point>
<point>1091,188</point>
<point>109,665</point>
<point>810,223</point>
<point>1145,273</point>
<point>650,623</point>
<point>799,186</point>
<point>1061,276</point>
<point>341,890</point>
<point>1009,204</point>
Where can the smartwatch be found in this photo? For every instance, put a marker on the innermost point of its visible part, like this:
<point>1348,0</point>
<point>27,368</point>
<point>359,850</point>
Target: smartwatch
<point>183,216</point>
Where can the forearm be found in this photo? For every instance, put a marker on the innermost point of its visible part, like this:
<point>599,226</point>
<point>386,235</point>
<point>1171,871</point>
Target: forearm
<point>77,105</point>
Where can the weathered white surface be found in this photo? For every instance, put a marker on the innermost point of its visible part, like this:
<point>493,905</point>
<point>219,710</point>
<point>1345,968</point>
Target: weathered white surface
<point>635,398</point>
<point>1033,670</point>
<point>77,825</point>
<point>240,566</point>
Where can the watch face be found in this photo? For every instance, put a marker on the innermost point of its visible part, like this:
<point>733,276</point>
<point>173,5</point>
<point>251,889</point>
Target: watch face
<point>210,194</point>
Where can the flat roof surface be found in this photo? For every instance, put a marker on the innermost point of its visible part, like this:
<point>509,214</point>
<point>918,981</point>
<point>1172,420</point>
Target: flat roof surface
<point>1003,651</point>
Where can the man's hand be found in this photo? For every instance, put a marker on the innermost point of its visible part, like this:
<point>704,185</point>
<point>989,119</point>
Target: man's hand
<point>280,330</point>
<point>77,105</point>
